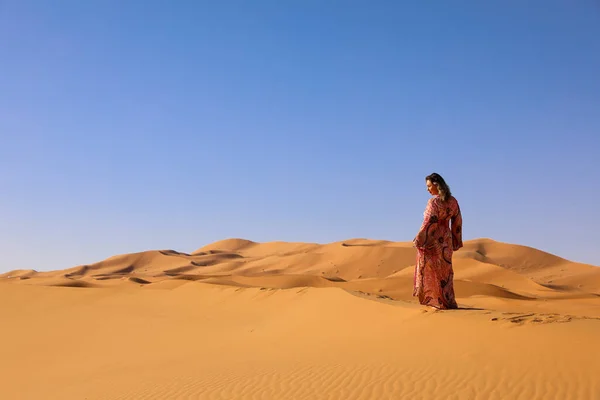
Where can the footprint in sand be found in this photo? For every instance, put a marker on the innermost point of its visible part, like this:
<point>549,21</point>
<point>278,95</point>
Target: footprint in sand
<point>533,318</point>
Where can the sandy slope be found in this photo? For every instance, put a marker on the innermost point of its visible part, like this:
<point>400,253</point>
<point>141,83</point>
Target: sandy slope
<point>244,320</point>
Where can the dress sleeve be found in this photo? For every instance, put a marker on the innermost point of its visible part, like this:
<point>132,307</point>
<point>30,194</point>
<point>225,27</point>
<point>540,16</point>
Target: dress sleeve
<point>425,237</point>
<point>456,228</point>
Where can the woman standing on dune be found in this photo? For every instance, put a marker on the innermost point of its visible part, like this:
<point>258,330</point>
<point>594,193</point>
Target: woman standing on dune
<point>435,243</point>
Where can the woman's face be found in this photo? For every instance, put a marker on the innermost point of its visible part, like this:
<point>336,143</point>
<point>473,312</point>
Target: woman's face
<point>431,188</point>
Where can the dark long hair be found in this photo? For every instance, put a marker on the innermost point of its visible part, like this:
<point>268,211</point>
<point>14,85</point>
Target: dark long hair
<point>440,183</point>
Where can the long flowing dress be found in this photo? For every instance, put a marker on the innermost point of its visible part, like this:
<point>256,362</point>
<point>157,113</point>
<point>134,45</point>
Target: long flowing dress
<point>435,243</point>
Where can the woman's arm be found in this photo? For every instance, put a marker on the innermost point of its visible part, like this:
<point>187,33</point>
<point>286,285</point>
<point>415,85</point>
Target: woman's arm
<point>456,228</point>
<point>425,237</point>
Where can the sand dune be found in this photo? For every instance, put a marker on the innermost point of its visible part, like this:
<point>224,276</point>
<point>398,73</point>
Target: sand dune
<point>246,320</point>
<point>376,267</point>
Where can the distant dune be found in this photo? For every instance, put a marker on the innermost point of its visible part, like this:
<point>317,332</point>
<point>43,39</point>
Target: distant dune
<point>278,320</point>
<point>482,268</point>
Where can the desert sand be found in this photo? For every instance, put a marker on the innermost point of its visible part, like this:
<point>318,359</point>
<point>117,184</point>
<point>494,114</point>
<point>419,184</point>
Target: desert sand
<point>243,320</point>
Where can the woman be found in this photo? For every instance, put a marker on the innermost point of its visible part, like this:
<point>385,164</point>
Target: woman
<point>435,243</point>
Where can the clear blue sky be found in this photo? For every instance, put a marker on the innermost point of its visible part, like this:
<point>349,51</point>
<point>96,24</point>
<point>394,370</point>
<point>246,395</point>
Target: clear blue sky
<point>135,125</point>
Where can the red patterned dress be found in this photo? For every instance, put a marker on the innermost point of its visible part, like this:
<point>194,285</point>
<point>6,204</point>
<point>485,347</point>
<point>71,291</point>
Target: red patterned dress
<point>435,243</point>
